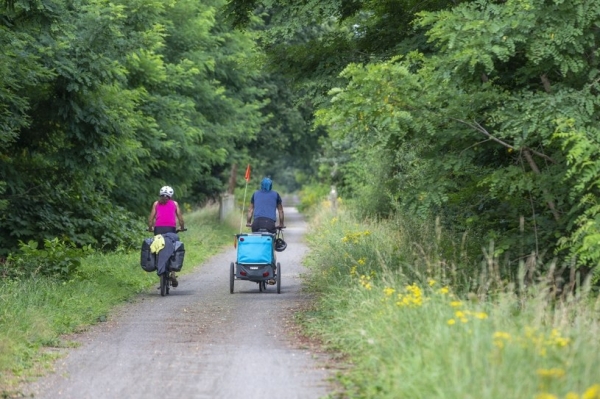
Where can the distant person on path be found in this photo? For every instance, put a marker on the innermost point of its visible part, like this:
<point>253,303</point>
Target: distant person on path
<point>264,206</point>
<point>164,216</point>
<point>333,199</point>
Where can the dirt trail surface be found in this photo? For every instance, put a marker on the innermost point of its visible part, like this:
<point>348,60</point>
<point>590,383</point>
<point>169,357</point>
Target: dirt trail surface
<point>200,341</point>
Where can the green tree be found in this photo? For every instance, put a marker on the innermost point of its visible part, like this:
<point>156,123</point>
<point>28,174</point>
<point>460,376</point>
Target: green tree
<point>105,102</point>
<point>485,128</point>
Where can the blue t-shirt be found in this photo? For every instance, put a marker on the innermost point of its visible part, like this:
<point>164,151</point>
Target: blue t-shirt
<point>265,204</point>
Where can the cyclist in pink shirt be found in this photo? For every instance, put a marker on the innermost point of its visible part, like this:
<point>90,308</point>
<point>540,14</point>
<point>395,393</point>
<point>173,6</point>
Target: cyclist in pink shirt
<point>165,213</point>
<point>164,216</point>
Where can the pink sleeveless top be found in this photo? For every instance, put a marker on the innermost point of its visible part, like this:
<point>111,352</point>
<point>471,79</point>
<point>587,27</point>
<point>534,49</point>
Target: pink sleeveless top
<point>165,214</point>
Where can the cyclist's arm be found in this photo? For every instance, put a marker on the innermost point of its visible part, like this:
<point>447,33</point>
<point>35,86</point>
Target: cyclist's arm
<point>280,209</point>
<point>152,216</point>
<point>179,216</point>
<point>250,213</point>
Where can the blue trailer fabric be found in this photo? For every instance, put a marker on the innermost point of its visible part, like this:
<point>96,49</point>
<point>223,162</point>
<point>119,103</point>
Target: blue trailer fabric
<point>255,249</point>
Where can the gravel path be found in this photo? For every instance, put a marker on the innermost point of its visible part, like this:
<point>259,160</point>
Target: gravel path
<point>200,341</point>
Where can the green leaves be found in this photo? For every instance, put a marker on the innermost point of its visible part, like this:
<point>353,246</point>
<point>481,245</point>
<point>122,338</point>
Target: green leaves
<point>56,259</point>
<point>495,128</point>
<point>102,103</point>
<point>583,177</point>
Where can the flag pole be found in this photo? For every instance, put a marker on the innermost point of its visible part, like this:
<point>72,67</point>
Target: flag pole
<point>247,178</point>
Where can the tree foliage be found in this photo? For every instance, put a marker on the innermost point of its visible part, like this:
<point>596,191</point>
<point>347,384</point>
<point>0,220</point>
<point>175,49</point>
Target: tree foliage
<point>102,103</point>
<point>482,111</point>
<point>496,128</point>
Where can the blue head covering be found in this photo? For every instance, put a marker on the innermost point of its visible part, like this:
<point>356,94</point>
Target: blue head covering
<point>266,184</point>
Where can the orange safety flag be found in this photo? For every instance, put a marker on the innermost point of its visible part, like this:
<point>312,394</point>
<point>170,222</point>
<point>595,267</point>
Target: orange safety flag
<point>247,177</point>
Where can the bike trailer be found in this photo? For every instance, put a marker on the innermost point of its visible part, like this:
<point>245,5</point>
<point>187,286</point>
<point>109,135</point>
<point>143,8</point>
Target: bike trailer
<point>255,257</point>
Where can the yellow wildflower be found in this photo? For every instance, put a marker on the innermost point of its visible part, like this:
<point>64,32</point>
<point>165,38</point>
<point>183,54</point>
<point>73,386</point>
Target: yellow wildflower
<point>388,291</point>
<point>545,395</point>
<point>364,281</point>
<point>501,335</point>
<point>451,322</point>
<point>444,290</point>
<point>361,261</point>
<point>431,282</point>
<point>556,339</point>
<point>571,395</point>
<point>592,392</point>
<point>551,373</point>
<point>455,304</point>
<point>414,290</point>
<point>480,315</point>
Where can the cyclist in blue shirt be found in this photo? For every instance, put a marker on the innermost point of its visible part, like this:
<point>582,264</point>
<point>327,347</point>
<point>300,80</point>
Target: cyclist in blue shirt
<point>264,206</point>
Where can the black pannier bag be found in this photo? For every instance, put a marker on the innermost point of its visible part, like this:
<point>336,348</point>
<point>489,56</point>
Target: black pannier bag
<point>176,261</point>
<point>148,259</point>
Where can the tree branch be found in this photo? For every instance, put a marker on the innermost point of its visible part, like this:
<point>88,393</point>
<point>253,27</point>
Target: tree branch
<point>481,129</point>
<point>536,170</point>
<point>526,153</point>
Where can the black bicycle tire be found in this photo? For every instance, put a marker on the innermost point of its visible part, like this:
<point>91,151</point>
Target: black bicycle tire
<point>164,284</point>
<point>231,277</point>
<point>278,278</point>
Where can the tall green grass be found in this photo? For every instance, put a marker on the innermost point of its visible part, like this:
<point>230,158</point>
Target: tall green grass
<point>415,317</point>
<point>34,313</point>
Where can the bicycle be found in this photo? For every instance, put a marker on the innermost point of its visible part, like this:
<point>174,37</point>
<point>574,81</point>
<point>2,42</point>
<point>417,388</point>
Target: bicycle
<point>149,263</point>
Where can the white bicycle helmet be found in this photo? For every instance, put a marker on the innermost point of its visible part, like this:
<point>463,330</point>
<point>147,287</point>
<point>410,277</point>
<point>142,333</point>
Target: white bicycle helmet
<point>166,190</point>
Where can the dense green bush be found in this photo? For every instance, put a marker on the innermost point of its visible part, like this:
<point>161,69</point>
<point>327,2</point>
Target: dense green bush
<point>59,259</point>
<point>311,196</point>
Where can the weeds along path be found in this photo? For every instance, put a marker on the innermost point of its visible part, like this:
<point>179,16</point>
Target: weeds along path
<point>200,341</point>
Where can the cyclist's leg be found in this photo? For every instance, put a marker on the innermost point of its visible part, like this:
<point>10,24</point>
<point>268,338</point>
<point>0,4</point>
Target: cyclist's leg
<point>173,278</point>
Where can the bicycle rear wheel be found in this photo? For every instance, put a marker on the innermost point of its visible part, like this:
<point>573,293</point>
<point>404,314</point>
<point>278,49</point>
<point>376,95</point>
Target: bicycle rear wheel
<point>164,284</point>
<point>278,278</point>
<point>231,277</point>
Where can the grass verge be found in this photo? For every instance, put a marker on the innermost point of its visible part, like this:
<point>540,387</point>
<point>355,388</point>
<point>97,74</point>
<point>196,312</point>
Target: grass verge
<point>35,313</point>
<point>407,327</point>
